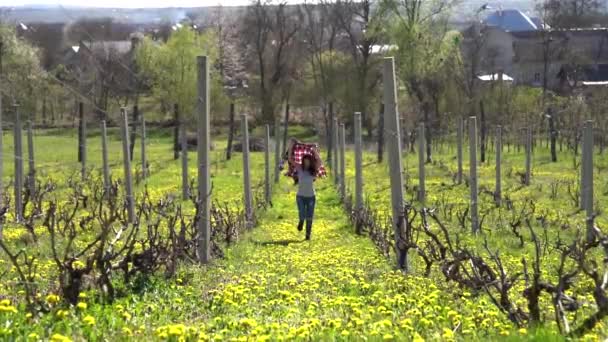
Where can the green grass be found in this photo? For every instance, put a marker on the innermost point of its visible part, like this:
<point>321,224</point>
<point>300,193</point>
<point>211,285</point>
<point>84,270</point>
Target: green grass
<point>273,285</point>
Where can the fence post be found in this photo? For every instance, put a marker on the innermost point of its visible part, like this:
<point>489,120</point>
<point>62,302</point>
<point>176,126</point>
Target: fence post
<point>528,133</point>
<point>31,178</point>
<point>583,176</point>
<point>127,165</point>
<point>203,141</point>
<point>230,132</point>
<point>18,165</point>
<point>498,189</point>
<point>1,142</point>
<point>177,119</point>
<point>80,135</point>
<point>104,157</point>
<point>335,164</point>
<point>358,169</point>
<point>587,191</point>
<point>267,165</point>
<point>184,148</point>
<point>144,160</point>
<point>460,137</point>
<point>330,136</point>
<point>286,124</point>
<point>342,161</point>
<point>393,143</point>
<point>381,134</point>
<point>83,140</point>
<point>421,175</point>
<point>277,150</point>
<point>473,173</point>
<point>246,175</point>
<point>133,132</point>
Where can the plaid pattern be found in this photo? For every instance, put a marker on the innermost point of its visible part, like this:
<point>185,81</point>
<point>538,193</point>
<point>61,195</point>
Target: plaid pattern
<point>299,151</point>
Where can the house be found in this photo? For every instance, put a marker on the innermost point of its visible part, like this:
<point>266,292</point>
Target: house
<point>101,69</point>
<point>519,46</point>
<point>512,21</point>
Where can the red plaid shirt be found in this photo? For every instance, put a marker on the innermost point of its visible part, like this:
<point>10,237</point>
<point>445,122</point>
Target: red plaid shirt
<point>300,150</point>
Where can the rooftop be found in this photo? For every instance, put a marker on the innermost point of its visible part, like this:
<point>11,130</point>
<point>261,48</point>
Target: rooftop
<point>512,21</point>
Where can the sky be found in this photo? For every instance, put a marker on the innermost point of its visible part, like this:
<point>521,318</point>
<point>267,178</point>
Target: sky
<point>129,3</point>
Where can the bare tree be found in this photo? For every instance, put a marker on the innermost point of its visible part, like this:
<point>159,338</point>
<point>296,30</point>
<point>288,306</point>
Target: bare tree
<point>320,33</point>
<point>360,24</point>
<point>270,33</point>
<point>426,46</point>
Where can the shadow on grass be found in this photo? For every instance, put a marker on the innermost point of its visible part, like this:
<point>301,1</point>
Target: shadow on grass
<point>278,242</point>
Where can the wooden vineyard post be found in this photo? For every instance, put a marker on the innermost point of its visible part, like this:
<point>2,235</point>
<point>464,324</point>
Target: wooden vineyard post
<point>335,164</point>
<point>230,131</point>
<point>203,142</point>
<point>528,137</point>
<point>587,190</point>
<point>421,174</point>
<point>248,198</point>
<point>18,164</point>
<point>277,151</point>
<point>381,134</point>
<point>584,172</point>
<point>184,149</point>
<point>286,124</point>
<point>393,143</point>
<point>267,191</point>
<point>330,136</point>
<point>82,155</point>
<point>177,119</point>
<point>104,157</point>
<point>342,162</point>
<point>583,176</point>
<point>127,165</point>
<point>133,132</point>
<point>473,173</point>
<point>358,169</point>
<point>1,142</point>
<point>80,135</point>
<point>31,177</point>
<point>144,161</point>
<point>460,137</point>
<point>498,188</point>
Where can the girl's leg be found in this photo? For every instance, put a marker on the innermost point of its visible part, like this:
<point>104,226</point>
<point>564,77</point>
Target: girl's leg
<point>300,201</point>
<point>310,213</point>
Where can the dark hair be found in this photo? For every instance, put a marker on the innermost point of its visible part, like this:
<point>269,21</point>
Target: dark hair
<point>312,167</point>
<point>312,164</point>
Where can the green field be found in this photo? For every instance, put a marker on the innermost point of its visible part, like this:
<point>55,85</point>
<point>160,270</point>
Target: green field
<point>270,284</point>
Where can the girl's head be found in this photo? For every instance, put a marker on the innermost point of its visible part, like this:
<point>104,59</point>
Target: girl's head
<point>309,164</point>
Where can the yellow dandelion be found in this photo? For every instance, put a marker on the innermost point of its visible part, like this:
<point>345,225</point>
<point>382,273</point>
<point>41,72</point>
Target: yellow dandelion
<point>89,320</point>
<point>60,338</point>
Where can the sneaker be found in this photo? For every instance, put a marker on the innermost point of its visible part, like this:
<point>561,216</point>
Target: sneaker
<point>301,225</point>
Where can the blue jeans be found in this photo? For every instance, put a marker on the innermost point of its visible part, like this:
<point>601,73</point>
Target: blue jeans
<point>306,208</point>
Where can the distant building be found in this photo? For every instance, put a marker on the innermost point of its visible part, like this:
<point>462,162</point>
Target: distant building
<point>101,69</point>
<point>512,43</point>
<point>512,21</point>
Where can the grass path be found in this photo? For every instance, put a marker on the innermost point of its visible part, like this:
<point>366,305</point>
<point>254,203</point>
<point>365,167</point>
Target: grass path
<point>275,285</point>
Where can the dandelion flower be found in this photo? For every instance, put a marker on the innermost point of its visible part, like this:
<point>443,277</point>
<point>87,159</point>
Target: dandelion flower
<point>60,338</point>
<point>89,320</point>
